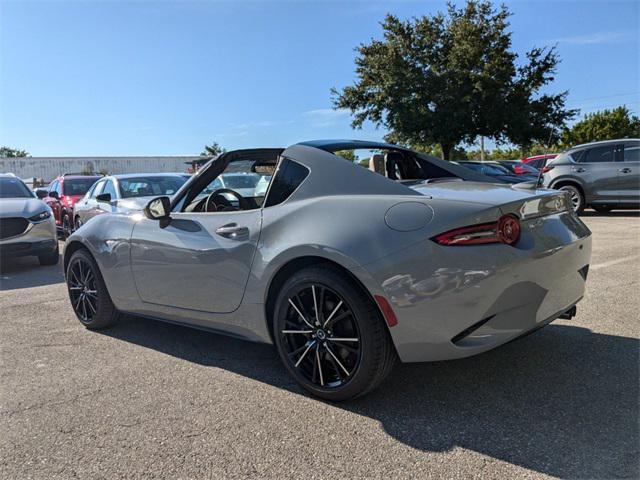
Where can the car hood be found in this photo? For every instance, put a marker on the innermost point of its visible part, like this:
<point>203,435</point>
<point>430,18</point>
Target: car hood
<point>474,192</point>
<point>21,207</point>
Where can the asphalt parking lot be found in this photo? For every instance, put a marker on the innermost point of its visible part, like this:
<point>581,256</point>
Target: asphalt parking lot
<point>150,400</point>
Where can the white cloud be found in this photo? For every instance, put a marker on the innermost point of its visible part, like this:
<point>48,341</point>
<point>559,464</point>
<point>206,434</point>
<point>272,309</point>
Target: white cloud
<point>596,38</point>
<point>327,112</point>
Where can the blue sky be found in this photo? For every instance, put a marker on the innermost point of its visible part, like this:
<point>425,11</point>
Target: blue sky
<point>166,77</point>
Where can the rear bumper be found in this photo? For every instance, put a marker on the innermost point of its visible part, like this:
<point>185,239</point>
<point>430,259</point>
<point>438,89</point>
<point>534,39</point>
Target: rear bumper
<point>455,302</point>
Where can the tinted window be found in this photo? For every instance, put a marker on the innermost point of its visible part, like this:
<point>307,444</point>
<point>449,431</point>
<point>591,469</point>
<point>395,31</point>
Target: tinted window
<point>110,189</point>
<point>598,154</point>
<point>78,186</point>
<point>13,188</point>
<point>288,177</point>
<point>97,189</point>
<point>151,186</point>
<point>54,186</point>
<point>632,151</point>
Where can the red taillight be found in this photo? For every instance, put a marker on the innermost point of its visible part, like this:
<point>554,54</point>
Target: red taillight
<point>505,230</point>
<point>547,169</point>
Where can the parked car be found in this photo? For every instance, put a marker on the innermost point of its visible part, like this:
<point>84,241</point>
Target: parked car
<point>62,195</point>
<point>246,184</point>
<point>495,171</point>
<point>125,193</point>
<point>27,226</point>
<point>343,268</point>
<point>516,167</point>
<point>601,175</point>
<point>539,161</point>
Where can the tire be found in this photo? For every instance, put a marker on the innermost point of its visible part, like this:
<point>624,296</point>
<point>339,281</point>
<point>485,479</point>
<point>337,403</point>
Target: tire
<point>66,226</point>
<point>77,223</point>
<point>602,208</point>
<point>50,258</point>
<point>339,369</point>
<point>577,199</point>
<point>88,293</point>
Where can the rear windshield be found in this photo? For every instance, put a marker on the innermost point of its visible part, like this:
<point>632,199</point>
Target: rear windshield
<point>78,186</point>
<point>13,188</point>
<point>150,186</point>
<point>486,169</point>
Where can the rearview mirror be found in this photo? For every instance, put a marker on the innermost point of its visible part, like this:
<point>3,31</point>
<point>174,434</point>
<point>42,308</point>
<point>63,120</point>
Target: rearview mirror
<point>41,194</point>
<point>104,197</point>
<point>54,194</point>
<point>158,209</point>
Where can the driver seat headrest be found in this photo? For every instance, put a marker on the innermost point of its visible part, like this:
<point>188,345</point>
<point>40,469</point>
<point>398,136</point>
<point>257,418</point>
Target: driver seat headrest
<point>376,163</point>
<point>391,159</point>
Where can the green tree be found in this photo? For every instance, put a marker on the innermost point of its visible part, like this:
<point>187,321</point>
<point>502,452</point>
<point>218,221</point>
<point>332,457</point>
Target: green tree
<point>603,125</point>
<point>212,150</point>
<point>348,154</point>
<point>449,78</point>
<point>13,152</point>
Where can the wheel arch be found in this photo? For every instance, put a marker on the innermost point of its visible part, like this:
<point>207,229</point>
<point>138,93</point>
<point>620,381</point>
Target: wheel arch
<point>563,181</point>
<point>69,249</point>
<point>298,263</point>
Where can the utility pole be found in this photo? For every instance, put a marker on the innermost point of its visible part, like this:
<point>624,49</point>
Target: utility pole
<point>481,148</point>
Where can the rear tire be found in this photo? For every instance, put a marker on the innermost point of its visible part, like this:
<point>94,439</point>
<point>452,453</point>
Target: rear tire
<point>602,208</point>
<point>88,293</point>
<point>577,199</point>
<point>346,351</point>
<point>50,258</point>
<point>66,226</point>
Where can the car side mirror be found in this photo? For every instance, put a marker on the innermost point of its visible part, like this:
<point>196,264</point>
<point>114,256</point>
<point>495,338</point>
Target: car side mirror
<point>41,194</point>
<point>158,209</point>
<point>104,197</point>
<point>54,194</point>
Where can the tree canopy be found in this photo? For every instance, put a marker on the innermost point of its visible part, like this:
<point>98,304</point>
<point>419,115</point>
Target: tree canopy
<point>603,125</point>
<point>212,150</point>
<point>13,152</point>
<point>448,78</point>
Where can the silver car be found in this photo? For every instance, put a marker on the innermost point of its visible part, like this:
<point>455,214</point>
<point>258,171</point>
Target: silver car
<point>600,175</point>
<point>27,226</point>
<point>125,193</point>
<point>344,268</point>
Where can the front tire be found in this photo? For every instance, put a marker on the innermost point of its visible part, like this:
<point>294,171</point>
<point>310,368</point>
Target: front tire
<point>577,199</point>
<point>66,226</point>
<point>342,350</point>
<point>88,293</point>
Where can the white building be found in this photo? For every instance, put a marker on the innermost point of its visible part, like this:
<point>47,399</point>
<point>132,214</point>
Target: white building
<point>48,168</point>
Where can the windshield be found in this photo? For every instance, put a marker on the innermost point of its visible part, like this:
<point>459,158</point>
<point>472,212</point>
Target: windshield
<point>150,186</point>
<point>78,186</point>
<point>486,168</point>
<point>13,188</point>
<point>240,181</point>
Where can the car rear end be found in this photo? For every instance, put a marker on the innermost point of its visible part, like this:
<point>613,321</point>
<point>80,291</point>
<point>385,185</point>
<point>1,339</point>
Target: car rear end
<point>495,265</point>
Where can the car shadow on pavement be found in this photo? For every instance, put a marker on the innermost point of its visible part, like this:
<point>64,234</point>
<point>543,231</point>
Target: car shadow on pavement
<point>562,402</point>
<point>26,272</point>
<point>616,213</point>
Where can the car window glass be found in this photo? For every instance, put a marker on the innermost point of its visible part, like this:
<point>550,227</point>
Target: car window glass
<point>110,189</point>
<point>289,176</point>
<point>632,152</point>
<point>601,154</point>
<point>11,187</point>
<point>97,189</point>
<point>78,186</point>
<point>53,186</point>
<point>151,186</point>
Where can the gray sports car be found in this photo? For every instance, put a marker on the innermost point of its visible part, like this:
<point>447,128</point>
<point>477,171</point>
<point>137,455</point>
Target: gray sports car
<point>344,268</point>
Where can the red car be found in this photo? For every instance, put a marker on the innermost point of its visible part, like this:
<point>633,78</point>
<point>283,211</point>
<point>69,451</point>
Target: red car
<point>539,161</point>
<point>62,195</point>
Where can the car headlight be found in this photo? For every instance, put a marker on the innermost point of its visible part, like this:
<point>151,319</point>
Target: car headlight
<point>40,216</point>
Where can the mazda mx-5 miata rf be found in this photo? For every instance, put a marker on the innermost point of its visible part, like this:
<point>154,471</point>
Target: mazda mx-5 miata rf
<point>344,265</point>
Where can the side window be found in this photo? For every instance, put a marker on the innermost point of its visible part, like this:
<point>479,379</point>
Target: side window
<point>110,189</point>
<point>632,151</point>
<point>53,187</point>
<point>599,154</point>
<point>288,177</point>
<point>97,189</point>
<point>59,189</point>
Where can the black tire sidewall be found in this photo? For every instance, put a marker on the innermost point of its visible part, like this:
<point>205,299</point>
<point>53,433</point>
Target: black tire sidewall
<point>571,188</point>
<point>105,310</point>
<point>370,338</point>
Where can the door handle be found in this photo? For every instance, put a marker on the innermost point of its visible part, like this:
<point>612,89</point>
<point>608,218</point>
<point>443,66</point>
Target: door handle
<point>233,232</point>
<point>579,169</point>
<point>625,170</point>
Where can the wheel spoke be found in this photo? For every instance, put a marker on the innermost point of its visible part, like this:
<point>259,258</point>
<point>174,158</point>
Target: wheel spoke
<point>90,303</point>
<point>315,304</point>
<point>300,313</point>
<point>336,360</point>
<point>305,353</point>
<point>340,339</point>
<point>305,332</point>
<point>337,318</point>
<point>332,314</point>
<point>319,366</point>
